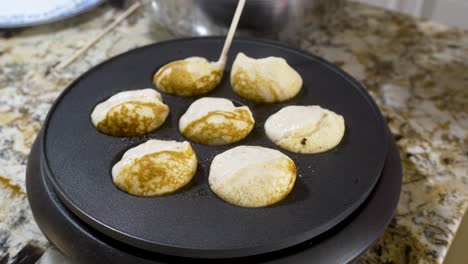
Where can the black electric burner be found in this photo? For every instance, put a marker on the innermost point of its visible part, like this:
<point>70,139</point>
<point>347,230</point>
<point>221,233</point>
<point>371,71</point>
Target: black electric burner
<point>330,214</point>
<point>342,244</point>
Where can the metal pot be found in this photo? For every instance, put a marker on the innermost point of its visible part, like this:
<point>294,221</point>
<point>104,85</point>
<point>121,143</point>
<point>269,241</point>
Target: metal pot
<point>277,19</point>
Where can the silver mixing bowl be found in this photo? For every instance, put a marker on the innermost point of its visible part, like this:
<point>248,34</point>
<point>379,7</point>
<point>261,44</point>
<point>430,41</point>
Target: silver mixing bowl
<point>277,19</point>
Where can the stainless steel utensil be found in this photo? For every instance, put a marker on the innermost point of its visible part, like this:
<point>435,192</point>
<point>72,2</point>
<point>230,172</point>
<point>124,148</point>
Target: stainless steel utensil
<point>277,19</point>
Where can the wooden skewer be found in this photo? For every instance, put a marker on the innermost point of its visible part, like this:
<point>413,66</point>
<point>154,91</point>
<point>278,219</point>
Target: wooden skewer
<point>232,30</point>
<point>109,28</point>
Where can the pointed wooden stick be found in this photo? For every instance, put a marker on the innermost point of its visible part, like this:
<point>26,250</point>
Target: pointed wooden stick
<point>109,28</point>
<point>232,30</point>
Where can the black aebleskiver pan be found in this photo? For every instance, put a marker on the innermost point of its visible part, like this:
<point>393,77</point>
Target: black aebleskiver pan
<point>194,222</point>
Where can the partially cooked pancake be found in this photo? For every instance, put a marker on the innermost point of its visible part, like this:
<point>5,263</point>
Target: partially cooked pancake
<point>250,176</point>
<point>188,77</point>
<point>130,113</point>
<point>216,121</point>
<point>266,80</point>
<point>155,168</point>
<point>305,129</point>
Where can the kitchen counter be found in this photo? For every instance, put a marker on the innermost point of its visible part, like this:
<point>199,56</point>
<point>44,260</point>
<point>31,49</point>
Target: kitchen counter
<point>417,72</point>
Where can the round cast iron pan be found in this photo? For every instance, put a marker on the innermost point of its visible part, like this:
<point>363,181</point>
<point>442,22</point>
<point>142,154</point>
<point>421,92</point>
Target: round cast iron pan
<point>194,222</point>
<point>342,244</point>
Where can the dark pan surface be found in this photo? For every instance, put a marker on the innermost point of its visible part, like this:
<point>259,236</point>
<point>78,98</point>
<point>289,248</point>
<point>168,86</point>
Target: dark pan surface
<point>342,244</point>
<point>194,222</point>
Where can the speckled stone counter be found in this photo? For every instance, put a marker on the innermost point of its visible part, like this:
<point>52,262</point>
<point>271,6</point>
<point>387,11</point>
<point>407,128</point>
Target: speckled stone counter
<point>417,71</point>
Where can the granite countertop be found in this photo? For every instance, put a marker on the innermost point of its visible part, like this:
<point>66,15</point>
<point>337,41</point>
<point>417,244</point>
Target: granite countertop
<point>417,71</point>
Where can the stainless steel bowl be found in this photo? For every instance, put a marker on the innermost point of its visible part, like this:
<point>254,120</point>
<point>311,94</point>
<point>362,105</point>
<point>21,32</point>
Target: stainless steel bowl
<point>277,19</point>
